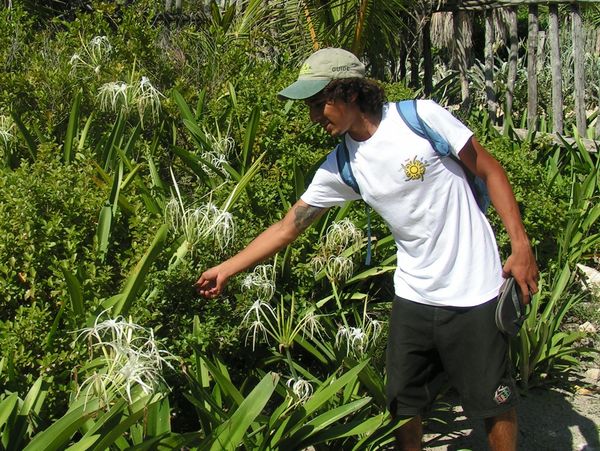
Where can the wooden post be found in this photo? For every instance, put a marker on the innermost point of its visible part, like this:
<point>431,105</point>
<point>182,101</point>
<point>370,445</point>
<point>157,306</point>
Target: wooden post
<point>513,56</point>
<point>532,39</point>
<point>555,63</point>
<point>489,66</point>
<point>578,69</point>
<point>427,63</point>
<point>459,24</point>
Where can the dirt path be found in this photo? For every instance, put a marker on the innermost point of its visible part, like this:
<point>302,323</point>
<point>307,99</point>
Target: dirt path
<point>549,420</point>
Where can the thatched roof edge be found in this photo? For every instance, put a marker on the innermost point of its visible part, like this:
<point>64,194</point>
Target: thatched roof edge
<point>478,5</point>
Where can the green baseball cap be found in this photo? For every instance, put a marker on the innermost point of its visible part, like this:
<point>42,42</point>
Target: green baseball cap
<point>319,69</point>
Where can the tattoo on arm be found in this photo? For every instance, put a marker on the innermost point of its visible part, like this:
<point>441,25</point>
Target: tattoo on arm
<point>305,216</point>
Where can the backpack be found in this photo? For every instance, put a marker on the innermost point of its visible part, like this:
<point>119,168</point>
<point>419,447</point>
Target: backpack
<point>407,109</point>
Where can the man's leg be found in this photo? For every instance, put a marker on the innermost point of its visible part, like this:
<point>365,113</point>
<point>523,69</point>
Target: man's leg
<point>502,431</point>
<point>414,371</point>
<point>409,435</point>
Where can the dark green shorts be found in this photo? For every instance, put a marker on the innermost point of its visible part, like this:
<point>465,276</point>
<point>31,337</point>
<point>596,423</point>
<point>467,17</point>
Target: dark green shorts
<point>428,346</point>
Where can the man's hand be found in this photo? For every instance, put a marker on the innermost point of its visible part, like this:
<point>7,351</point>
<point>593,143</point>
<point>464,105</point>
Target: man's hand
<point>211,282</point>
<point>522,266</point>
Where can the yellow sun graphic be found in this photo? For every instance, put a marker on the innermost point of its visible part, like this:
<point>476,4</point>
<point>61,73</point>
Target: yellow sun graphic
<point>414,169</point>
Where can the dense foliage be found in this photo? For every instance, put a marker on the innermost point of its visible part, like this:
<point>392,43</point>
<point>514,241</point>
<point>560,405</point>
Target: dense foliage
<point>139,150</point>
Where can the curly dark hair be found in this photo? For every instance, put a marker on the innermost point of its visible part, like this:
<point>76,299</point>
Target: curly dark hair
<point>370,96</point>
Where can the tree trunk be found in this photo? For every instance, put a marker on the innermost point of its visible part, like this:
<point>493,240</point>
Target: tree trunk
<point>531,68</point>
<point>489,66</point>
<point>556,64</point>
<point>578,69</point>
<point>513,55</point>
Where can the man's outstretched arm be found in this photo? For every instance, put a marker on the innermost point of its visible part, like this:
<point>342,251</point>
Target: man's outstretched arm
<point>521,263</point>
<point>268,243</point>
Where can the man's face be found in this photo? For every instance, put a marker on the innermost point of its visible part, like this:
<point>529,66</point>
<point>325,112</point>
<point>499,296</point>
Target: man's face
<point>333,115</point>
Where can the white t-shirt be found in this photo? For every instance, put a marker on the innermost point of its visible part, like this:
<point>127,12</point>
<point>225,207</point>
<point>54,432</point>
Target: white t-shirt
<point>447,253</point>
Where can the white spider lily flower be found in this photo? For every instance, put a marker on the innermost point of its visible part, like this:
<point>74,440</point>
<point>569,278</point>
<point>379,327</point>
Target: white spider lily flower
<point>339,268</point>
<point>201,223</point>
<point>372,328</point>
<point>122,97</point>
<point>114,96</point>
<point>147,97</point>
<point>6,126</point>
<point>300,388</point>
<point>217,156</point>
<point>258,308</point>
<point>354,338</point>
<point>173,214</point>
<point>120,330</point>
<point>256,328</point>
<point>129,356</point>
<point>311,325</point>
<point>92,55</point>
<point>222,229</point>
<point>342,235</point>
<point>260,282</point>
<point>318,263</point>
<point>100,46</point>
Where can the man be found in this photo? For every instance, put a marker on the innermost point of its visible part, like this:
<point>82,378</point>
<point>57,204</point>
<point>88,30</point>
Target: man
<point>449,270</point>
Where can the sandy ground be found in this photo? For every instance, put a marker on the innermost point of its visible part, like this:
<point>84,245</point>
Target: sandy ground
<point>549,420</point>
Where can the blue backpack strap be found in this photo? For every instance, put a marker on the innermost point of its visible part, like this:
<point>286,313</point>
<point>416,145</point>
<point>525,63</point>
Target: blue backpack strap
<point>407,109</point>
<point>343,161</point>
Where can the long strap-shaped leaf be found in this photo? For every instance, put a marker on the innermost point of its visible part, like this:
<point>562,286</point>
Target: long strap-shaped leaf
<point>31,145</point>
<point>58,435</point>
<point>136,278</point>
<point>74,289</point>
<point>72,128</point>
<point>301,439</point>
<point>231,433</point>
<point>241,185</point>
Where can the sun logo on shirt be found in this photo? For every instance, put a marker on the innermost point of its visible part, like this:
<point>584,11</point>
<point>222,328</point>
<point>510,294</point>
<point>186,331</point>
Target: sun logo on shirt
<point>414,169</point>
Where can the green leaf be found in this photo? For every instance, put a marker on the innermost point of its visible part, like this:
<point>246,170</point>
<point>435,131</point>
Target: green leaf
<point>31,146</point>
<point>58,435</point>
<point>85,443</point>
<point>356,427</point>
<point>158,421</point>
<point>243,182</point>
<point>317,424</point>
<point>329,388</point>
<point>72,128</point>
<point>75,291</point>
<point>136,278</point>
<point>84,132</point>
<point>8,407</point>
<point>135,413</point>
<point>249,138</point>
<point>230,434</point>
<point>103,230</point>
<point>113,199</point>
<point>184,109</point>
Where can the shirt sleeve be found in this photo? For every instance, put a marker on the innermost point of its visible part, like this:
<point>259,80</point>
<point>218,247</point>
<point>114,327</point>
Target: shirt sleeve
<point>445,123</point>
<point>327,188</point>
